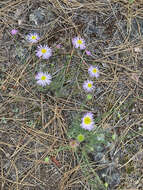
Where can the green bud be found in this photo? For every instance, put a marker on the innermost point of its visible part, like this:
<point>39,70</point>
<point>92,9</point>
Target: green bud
<point>47,159</point>
<point>106,185</point>
<point>89,96</point>
<point>119,115</point>
<point>80,138</point>
<point>91,148</point>
<point>68,56</point>
<point>114,136</point>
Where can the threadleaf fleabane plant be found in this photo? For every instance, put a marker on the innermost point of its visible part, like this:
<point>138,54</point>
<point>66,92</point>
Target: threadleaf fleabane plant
<point>93,71</point>
<point>78,43</point>
<point>87,121</point>
<point>44,51</point>
<point>88,86</point>
<point>33,37</point>
<point>43,79</point>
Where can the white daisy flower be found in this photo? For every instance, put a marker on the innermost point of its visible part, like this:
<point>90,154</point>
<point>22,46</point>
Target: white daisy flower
<point>87,122</point>
<point>44,51</point>
<point>33,37</point>
<point>88,86</point>
<point>78,43</point>
<point>93,71</point>
<point>43,79</point>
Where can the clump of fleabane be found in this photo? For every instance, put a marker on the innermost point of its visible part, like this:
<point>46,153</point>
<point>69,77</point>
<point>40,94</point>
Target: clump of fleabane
<point>93,71</point>
<point>33,37</point>
<point>43,79</point>
<point>78,43</point>
<point>87,121</point>
<point>44,51</point>
<point>88,86</point>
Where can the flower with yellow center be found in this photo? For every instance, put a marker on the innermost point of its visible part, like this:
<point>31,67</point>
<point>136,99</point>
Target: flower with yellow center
<point>93,71</point>
<point>43,79</point>
<point>44,51</point>
<point>78,43</point>
<point>88,86</point>
<point>33,37</point>
<point>87,121</point>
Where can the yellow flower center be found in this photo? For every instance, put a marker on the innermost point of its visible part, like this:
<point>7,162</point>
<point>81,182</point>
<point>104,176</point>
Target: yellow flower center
<point>33,37</point>
<point>87,120</point>
<point>43,50</point>
<point>89,85</point>
<point>94,70</point>
<point>43,78</point>
<point>79,41</point>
